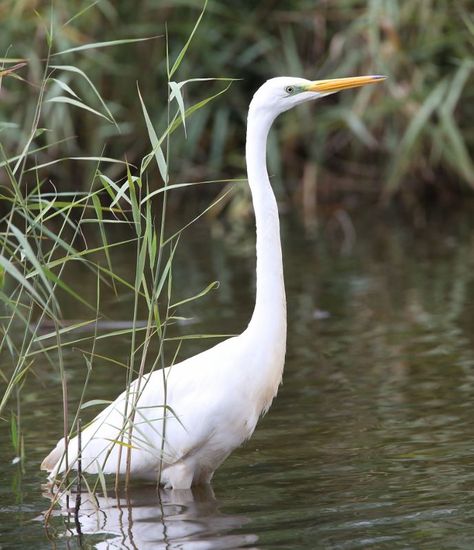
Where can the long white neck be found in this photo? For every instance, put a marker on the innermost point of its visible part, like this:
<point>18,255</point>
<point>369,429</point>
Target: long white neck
<point>269,316</point>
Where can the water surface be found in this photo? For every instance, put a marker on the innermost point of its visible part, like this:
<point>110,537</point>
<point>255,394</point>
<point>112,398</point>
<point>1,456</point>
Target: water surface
<point>370,441</point>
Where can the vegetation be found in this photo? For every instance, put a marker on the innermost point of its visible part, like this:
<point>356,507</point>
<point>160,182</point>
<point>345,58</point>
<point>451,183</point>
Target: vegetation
<point>413,143</point>
<point>47,231</point>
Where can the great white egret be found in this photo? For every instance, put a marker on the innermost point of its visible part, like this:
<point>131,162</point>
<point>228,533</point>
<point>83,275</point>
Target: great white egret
<point>215,398</point>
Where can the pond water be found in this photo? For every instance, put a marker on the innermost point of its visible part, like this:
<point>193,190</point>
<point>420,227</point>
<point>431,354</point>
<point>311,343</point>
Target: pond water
<point>370,441</point>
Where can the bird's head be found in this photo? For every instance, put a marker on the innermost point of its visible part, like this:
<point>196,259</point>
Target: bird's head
<point>282,93</point>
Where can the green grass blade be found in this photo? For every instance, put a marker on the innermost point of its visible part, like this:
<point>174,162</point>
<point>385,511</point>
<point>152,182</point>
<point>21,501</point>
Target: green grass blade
<point>211,286</point>
<point>76,70</point>
<point>183,51</point>
<point>176,94</point>
<point>64,330</point>
<point>88,159</point>
<point>155,143</point>
<point>31,256</point>
<point>79,104</point>
<point>65,87</point>
<point>9,268</point>
<point>106,44</point>
<point>187,184</point>
<point>197,106</point>
<point>98,211</point>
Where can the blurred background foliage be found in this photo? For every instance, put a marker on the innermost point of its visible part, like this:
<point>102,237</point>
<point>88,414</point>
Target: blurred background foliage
<point>407,141</point>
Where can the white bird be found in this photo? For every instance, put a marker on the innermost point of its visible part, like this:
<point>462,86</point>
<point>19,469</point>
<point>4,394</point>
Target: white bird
<point>215,398</point>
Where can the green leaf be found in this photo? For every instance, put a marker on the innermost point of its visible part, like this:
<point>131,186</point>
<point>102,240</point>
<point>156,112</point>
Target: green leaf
<point>65,87</point>
<point>160,159</point>
<point>9,268</point>
<point>33,151</point>
<point>187,184</point>
<point>107,44</point>
<point>14,431</point>
<point>197,337</point>
<point>121,443</point>
<point>111,187</point>
<point>31,256</point>
<point>459,158</point>
<point>197,106</point>
<point>76,103</point>
<point>134,200</point>
<point>150,234</point>
<point>81,12</point>
<point>75,70</point>
<point>176,94</point>
<point>98,211</point>
<point>93,159</point>
<point>64,330</point>
<point>183,51</point>
<point>214,203</point>
<point>155,143</point>
<point>211,286</point>
<point>457,85</point>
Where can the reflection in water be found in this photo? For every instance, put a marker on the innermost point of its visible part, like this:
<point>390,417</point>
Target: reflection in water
<point>145,518</point>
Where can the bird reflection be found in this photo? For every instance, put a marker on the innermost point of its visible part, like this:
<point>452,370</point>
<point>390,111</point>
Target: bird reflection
<point>145,518</point>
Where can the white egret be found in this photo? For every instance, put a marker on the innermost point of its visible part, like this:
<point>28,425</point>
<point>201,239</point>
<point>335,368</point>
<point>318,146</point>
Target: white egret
<point>215,398</point>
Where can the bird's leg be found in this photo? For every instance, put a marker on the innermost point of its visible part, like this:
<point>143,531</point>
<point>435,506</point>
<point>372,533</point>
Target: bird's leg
<point>178,476</point>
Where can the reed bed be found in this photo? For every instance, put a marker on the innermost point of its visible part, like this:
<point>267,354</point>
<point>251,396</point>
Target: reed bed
<point>409,141</point>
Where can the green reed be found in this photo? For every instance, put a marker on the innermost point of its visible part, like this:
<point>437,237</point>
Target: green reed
<point>46,229</point>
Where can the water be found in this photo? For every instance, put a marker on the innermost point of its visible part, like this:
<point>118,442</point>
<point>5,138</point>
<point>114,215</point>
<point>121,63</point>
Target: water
<point>370,441</point>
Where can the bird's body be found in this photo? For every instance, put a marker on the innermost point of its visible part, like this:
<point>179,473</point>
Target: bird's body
<point>188,418</point>
<point>208,425</point>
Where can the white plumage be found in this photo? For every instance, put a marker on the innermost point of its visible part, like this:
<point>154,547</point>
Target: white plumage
<point>215,398</point>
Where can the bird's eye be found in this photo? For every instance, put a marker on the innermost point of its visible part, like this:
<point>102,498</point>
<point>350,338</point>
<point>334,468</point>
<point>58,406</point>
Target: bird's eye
<point>289,89</point>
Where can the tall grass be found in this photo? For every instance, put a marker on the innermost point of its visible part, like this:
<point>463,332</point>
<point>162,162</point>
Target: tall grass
<point>45,233</point>
<point>410,139</point>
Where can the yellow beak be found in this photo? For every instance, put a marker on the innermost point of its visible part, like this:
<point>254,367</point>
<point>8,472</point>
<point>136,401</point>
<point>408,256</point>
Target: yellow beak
<point>337,84</point>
